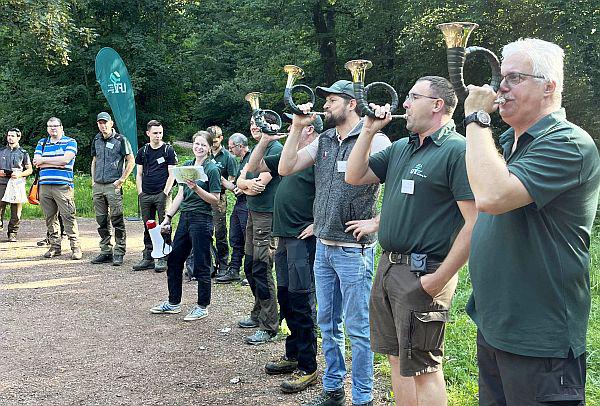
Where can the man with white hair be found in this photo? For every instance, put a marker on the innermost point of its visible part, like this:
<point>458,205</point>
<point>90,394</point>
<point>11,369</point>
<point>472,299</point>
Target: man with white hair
<point>529,261</point>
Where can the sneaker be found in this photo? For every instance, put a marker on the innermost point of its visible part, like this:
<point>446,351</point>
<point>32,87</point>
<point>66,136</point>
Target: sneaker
<point>76,254</point>
<point>334,398</point>
<point>43,242</point>
<point>197,313</point>
<point>52,252</point>
<point>166,307</point>
<point>245,282</point>
<point>143,264</point>
<point>248,323</point>
<point>117,260</point>
<point>283,365</point>
<point>260,337</point>
<point>232,275</point>
<point>299,381</point>
<point>102,258</point>
<point>161,265</point>
<point>12,238</point>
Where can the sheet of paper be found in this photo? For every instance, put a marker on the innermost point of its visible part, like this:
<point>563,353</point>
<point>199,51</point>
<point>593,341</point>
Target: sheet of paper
<point>194,173</point>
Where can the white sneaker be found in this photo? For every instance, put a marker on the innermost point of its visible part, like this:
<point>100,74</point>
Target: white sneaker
<point>197,313</point>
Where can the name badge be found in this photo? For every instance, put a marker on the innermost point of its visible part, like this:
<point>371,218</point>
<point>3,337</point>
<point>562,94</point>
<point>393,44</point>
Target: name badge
<point>109,145</point>
<point>161,160</point>
<point>341,166</point>
<point>408,186</point>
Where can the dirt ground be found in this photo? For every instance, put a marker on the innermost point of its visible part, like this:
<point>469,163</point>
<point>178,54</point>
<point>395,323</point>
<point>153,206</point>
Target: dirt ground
<point>74,333</point>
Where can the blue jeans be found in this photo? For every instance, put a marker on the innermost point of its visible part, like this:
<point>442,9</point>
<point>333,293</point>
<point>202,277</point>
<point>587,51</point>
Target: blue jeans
<point>343,279</point>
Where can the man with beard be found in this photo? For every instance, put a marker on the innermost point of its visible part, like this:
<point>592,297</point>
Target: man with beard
<point>343,266</point>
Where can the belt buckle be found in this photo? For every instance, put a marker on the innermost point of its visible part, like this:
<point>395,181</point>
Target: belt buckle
<point>396,256</point>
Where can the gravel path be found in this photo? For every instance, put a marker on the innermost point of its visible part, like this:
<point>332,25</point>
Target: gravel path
<point>74,333</point>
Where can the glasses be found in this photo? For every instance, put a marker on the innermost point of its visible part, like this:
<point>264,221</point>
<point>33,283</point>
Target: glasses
<point>54,126</point>
<point>411,97</point>
<point>514,78</point>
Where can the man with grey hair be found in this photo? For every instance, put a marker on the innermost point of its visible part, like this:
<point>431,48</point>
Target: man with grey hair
<point>530,258</point>
<point>425,228</point>
<point>238,146</point>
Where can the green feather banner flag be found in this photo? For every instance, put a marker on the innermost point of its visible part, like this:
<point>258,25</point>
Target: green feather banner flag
<point>113,78</point>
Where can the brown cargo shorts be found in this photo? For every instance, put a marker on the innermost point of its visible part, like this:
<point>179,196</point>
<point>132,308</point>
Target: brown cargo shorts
<point>405,321</point>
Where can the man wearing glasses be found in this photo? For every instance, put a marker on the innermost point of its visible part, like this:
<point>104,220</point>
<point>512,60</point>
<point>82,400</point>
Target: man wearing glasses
<point>55,157</point>
<point>530,259</point>
<point>425,228</point>
<point>238,146</point>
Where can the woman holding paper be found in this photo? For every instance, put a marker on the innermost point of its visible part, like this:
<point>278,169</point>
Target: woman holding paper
<point>194,199</point>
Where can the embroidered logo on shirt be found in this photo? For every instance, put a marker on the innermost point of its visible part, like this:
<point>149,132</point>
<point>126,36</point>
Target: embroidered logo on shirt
<point>418,171</point>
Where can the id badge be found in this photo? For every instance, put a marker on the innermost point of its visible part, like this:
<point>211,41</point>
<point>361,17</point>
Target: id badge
<point>341,166</point>
<point>160,160</point>
<point>408,186</point>
<point>110,145</point>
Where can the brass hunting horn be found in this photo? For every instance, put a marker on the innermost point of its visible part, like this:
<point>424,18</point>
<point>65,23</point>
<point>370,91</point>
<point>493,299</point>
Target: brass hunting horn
<point>259,115</point>
<point>456,35</point>
<point>358,69</point>
<point>294,72</point>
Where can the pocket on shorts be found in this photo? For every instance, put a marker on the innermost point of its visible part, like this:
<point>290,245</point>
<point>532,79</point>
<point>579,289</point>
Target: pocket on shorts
<point>427,329</point>
<point>563,381</point>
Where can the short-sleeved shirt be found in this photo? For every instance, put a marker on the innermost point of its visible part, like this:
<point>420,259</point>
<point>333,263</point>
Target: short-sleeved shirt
<point>191,201</point>
<point>226,163</point>
<point>263,202</point>
<point>12,158</point>
<point>419,213</point>
<point>530,266</point>
<point>155,163</point>
<point>293,205</point>
<point>56,175</point>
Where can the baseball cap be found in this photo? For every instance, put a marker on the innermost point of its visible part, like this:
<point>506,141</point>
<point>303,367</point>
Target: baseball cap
<point>318,123</point>
<point>340,87</point>
<point>104,116</point>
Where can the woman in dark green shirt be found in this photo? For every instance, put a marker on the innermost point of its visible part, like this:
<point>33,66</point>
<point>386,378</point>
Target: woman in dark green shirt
<point>194,199</point>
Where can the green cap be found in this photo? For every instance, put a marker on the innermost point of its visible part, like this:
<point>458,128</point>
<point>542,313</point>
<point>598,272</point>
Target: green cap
<point>340,87</point>
<point>103,116</point>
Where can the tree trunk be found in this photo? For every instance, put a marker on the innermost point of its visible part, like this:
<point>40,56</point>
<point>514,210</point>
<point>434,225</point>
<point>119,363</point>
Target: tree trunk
<point>324,22</point>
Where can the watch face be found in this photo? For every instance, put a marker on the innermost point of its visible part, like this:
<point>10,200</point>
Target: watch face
<point>483,117</point>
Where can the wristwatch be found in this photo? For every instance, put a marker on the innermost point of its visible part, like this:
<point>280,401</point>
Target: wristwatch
<point>480,117</point>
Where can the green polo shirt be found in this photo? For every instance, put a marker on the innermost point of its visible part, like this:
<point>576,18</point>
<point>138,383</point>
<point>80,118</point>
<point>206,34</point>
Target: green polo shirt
<point>226,163</point>
<point>422,216</point>
<point>263,202</point>
<point>530,267</point>
<point>191,201</point>
<point>293,206</point>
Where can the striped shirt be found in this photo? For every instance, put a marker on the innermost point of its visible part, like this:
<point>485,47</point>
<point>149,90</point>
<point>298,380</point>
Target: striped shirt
<point>57,176</point>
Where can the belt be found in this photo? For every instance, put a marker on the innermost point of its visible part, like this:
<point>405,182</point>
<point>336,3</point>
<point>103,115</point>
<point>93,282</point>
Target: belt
<point>398,258</point>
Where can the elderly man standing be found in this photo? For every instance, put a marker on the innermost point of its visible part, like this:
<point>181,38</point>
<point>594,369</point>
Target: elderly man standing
<point>55,157</point>
<point>112,162</point>
<point>14,164</point>
<point>343,266</point>
<point>426,221</point>
<point>530,258</point>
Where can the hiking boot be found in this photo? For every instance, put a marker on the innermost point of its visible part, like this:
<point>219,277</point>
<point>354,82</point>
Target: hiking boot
<point>248,323</point>
<point>260,337</point>
<point>12,238</point>
<point>244,282</point>
<point>52,252</point>
<point>117,260</point>
<point>335,398</point>
<point>102,258</point>
<point>197,313</point>
<point>76,254</point>
<point>161,265</point>
<point>143,264</point>
<point>166,307</point>
<point>283,365</point>
<point>299,381</point>
<point>43,242</point>
<point>232,275</point>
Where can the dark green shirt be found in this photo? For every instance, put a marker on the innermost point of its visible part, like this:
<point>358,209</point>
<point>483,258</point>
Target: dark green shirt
<point>530,267</point>
<point>191,201</point>
<point>427,220</point>
<point>226,163</point>
<point>241,198</point>
<point>293,206</point>
<point>263,203</point>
